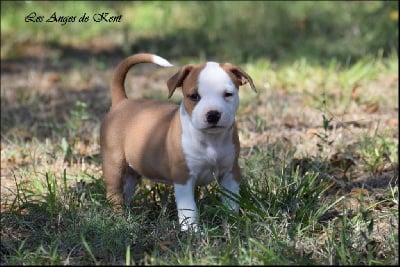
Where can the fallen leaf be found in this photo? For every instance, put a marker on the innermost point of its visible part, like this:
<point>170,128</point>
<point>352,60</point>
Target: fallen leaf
<point>372,108</point>
<point>359,191</point>
<point>355,93</point>
<point>165,244</point>
<point>313,132</point>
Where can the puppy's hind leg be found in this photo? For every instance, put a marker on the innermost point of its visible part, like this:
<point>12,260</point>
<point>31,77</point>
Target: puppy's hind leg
<point>113,172</point>
<point>132,179</point>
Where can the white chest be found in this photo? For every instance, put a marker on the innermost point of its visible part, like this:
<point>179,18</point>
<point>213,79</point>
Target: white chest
<point>208,158</point>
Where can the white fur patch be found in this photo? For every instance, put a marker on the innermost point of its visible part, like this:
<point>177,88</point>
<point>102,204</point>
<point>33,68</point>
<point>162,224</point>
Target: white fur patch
<point>161,61</point>
<point>186,205</point>
<point>208,155</point>
<point>213,87</point>
<point>208,147</point>
<point>210,152</point>
<point>231,186</point>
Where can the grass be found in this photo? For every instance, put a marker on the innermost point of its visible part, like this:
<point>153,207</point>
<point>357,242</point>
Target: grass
<point>319,142</point>
<point>281,223</point>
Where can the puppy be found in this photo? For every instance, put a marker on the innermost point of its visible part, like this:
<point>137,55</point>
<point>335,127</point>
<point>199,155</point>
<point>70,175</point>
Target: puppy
<point>191,144</point>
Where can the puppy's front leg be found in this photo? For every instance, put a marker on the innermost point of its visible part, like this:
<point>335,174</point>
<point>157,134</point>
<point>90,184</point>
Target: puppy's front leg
<point>187,209</point>
<point>232,186</point>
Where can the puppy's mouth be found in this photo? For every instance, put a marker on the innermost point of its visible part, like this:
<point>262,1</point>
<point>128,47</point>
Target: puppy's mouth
<point>214,129</point>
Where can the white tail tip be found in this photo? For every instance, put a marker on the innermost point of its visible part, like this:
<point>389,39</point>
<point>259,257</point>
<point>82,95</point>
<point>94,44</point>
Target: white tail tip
<point>161,61</point>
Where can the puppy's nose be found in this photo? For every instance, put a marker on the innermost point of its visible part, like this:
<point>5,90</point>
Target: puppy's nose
<point>213,116</point>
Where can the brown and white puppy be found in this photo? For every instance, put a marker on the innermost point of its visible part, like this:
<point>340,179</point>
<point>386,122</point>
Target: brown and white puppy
<point>187,145</point>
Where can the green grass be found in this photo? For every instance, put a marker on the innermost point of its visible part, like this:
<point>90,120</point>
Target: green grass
<point>280,224</point>
<point>319,141</point>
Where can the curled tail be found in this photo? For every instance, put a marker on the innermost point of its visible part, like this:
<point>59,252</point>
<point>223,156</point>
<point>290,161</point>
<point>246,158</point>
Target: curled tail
<point>117,89</point>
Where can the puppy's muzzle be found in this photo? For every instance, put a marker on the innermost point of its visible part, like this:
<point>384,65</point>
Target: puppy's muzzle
<point>213,116</point>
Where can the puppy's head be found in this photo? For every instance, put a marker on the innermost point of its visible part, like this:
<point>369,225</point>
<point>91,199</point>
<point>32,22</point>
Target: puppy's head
<point>210,92</point>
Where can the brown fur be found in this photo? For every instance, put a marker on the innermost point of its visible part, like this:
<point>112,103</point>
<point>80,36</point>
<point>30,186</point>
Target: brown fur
<point>147,133</point>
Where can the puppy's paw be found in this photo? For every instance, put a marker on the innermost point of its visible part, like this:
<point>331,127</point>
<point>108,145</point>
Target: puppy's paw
<point>187,227</point>
<point>193,229</point>
<point>116,200</point>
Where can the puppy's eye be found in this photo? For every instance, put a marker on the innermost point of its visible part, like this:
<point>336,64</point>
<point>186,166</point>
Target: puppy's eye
<point>194,97</point>
<point>227,94</point>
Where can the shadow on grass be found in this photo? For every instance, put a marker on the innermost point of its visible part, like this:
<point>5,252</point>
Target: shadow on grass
<point>52,227</point>
<point>77,225</point>
<point>49,115</point>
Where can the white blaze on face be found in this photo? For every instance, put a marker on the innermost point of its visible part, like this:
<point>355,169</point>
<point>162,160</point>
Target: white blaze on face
<point>218,93</point>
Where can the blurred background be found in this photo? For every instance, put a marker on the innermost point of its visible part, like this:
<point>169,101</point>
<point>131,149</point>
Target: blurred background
<point>239,31</point>
<point>305,57</point>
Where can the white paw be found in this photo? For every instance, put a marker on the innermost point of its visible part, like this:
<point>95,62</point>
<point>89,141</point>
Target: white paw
<point>189,226</point>
<point>193,228</point>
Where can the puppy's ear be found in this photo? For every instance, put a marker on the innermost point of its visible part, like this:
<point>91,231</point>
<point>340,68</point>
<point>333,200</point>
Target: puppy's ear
<point>177,79</point>
<point>238,75</point>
